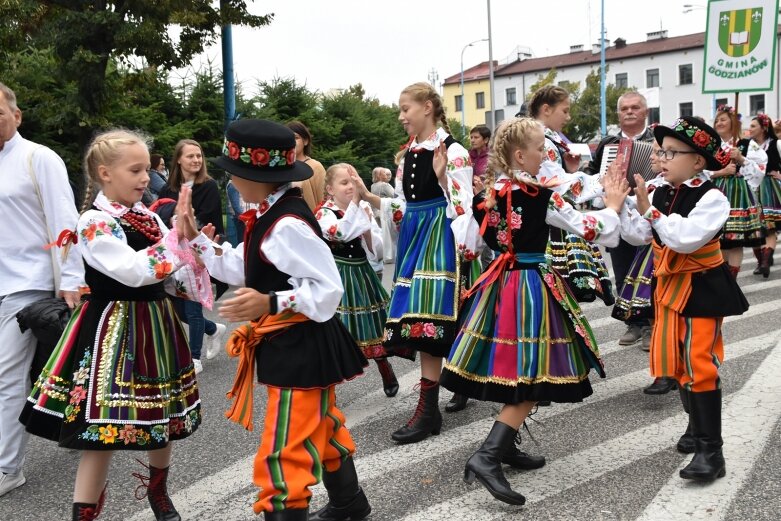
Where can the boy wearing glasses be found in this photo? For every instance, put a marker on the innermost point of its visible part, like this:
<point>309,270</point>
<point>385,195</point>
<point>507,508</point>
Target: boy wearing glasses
<point>693,288</point>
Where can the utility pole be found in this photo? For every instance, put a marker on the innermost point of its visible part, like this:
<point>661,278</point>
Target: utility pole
<point>492,119</point>
<point>228,80</point>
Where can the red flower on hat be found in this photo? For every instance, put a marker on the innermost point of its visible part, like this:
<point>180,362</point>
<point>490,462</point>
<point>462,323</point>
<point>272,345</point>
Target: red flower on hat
<point>291,156</point>
<point>233,150</point>
<point>259,156</point>
<point>701,138</point>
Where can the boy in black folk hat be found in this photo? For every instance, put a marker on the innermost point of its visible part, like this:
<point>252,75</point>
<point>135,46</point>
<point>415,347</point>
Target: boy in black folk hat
<point>693,287</point>
<point>292,289</point>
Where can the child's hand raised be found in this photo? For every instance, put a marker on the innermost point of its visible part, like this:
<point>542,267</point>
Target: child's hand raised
<point>248,304</point>
<point>641,191</point>
<point>185,217</point>
<point>209,231</point>
<point>440,161</point>
<point>360,186</point>
<point>616,190</point>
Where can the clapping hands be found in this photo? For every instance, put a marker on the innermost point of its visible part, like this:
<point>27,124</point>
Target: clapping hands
<point>185,216</point>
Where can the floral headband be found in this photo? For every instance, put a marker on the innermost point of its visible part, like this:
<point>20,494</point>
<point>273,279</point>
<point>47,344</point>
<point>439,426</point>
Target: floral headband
<point>764,120</point>
<point>729,110</point>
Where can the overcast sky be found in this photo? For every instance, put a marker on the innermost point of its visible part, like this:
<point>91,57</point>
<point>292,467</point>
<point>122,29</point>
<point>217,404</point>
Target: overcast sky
<point>388,44</point>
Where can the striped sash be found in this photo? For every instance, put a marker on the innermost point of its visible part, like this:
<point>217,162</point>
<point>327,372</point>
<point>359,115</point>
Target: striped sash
<point>242,344</point>
<point>673,272</point>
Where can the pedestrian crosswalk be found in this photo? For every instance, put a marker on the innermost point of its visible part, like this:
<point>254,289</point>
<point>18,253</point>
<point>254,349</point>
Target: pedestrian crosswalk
<point>611,457</point>
<point>616,430</point>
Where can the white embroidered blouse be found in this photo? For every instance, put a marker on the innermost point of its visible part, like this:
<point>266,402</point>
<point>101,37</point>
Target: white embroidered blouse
<point>103,245</point>
<point>293,247</point>
<point>354,223</point>
<point>681,234</point>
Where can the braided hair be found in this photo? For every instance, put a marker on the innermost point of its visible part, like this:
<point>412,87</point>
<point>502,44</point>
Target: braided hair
<point>422,92</point>
<point>511,135</point>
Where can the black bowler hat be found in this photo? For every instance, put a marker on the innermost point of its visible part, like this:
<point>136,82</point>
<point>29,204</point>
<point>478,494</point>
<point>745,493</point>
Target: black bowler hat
<point>698,135</point>
<point>262,151</point>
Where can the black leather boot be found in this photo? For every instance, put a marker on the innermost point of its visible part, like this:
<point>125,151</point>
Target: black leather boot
<point>764,262</point>
<point>157,494</point>
<point>686,443</point>
<point>426,420</point>
<point>518,459</point>
<point>346,500</point>
<point>390,385</point>
<point>661,386</point>
<point>85,511</point>
<point>293,514</point>
<point>456,403</point>
<point>705,414</point>
<point>486,466</point>
<point>758,255</point>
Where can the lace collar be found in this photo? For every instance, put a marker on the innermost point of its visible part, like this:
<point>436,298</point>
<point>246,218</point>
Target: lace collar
<point>116,209</point>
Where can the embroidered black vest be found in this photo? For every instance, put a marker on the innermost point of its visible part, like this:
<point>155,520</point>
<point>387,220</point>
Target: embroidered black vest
<point>420,181</point>
<point>348,250</point>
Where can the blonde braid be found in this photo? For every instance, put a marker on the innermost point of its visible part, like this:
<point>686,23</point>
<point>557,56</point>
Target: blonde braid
<point>88,196</point>
<point>510,136</point>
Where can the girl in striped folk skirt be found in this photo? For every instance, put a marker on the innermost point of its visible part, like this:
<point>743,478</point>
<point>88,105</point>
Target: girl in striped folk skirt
<point>355,238</point>
<point>737,181</point>
<point>769,191</point>
<point>121,377</point>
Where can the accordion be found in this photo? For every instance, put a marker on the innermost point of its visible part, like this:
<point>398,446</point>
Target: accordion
<point>637,159</point>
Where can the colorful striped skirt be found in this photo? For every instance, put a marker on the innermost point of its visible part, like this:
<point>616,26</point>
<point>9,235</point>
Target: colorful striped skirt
<point>423,310</point>
<point>634,300</point>
<point>743,228</point>
<point>581,264</point>
<point>770,200</point>
<point>363,309</point>
<point>523,338</point>
<point>120,378</point>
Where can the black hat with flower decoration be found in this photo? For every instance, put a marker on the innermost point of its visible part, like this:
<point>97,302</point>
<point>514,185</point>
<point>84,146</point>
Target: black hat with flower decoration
<point>262,151</point>
<point>699,136</point>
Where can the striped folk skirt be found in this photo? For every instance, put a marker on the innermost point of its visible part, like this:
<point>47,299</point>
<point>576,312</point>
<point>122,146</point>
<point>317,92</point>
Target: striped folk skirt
<point>363,309</point>
<point>120,378</point>
<point>770,200</point>
<point>635,297</point>
<point>743,228</point>
<point>581,264</point>
<point>523,338</point>
<point>423,310</point>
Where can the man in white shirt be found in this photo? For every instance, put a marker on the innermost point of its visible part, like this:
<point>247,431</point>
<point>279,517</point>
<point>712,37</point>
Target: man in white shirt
<point>26,270</point>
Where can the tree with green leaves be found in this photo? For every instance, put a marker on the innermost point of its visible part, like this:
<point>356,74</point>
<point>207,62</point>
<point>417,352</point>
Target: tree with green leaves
<point>88,39</point>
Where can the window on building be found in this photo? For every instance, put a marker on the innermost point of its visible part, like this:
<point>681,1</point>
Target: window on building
<point>686,109</point>
<point>498,117</point>
<point>652,78</point>
<point>653,115</point>
<point>480,100</point>
<point>459,103</point>
<point>510,95</point>
<point>685,75</point>
<point>622,80</point>
<point>756,104</point>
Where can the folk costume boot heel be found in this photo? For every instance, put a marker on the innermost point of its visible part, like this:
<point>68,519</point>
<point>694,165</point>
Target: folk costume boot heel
<point>346,500</point>
<point>156,486</point>
<point>390,385</point>
<point>293,514</point>
<point>708,462</point>
<point>686,442</point>
<point>426,420</point>
<point>485,465</point>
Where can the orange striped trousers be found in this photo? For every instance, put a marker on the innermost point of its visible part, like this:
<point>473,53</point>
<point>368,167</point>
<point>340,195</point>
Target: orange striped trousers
<point>303,432</point>
<point>700,351</point>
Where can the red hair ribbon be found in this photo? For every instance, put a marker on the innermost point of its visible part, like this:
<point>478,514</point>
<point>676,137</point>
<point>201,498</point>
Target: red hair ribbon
<point>66,237</point>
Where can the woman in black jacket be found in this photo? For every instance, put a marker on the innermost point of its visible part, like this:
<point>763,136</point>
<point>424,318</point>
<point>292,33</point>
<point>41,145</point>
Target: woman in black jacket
<point>189,168</point>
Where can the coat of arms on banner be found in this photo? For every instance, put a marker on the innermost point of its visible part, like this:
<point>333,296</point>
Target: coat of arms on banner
<point>740,31</point>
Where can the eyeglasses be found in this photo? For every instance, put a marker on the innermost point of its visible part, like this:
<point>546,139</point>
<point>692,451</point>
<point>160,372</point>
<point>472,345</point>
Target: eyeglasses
<point>669,155</point>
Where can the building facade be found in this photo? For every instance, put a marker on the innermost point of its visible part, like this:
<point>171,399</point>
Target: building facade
<point>476,101</point>
<point>667,70</point>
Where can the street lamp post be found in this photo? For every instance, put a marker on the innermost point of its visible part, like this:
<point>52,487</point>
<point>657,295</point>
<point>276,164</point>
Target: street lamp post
<point>463,101</point>
<point>602,79</point>
<point>491,69</point>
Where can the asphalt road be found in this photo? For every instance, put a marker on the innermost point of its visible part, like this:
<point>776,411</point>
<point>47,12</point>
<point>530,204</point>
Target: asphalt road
<point>610,458</point>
